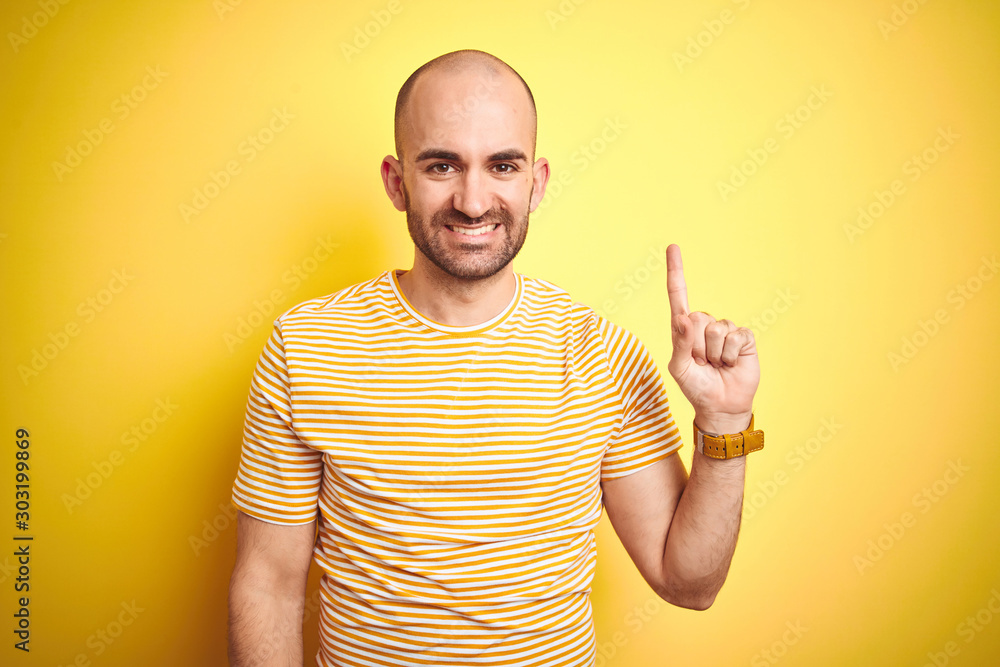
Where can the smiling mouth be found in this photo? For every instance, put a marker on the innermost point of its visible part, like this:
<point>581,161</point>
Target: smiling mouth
<point>473,231</point>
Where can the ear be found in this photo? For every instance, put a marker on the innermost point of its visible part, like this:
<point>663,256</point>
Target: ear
<point>540,177</point>
<point>392,178</point>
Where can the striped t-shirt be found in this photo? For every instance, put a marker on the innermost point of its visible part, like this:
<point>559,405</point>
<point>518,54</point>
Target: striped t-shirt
<point>455,470</point>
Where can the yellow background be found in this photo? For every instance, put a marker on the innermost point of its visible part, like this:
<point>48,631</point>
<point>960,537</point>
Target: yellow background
<point>829,306</point>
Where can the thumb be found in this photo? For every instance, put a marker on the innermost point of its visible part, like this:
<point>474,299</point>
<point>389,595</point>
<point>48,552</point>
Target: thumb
<point>682,336</point>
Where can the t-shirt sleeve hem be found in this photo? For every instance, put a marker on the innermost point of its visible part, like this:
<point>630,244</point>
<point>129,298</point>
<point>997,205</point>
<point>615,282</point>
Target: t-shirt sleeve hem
<point>271,516</point>
<point>626,470</point>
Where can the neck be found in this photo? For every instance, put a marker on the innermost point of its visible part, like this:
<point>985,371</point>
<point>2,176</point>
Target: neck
<point>457,302</point>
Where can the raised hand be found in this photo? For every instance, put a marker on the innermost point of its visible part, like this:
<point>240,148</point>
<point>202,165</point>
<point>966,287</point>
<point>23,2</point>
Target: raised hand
<point>714,362</point>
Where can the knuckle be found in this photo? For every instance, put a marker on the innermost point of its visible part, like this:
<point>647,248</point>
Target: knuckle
<point>716,330</point>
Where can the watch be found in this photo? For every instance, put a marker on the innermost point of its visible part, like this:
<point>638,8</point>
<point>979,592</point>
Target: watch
<point>729,445</point>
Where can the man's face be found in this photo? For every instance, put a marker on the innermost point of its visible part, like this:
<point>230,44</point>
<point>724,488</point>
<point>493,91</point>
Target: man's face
<point>468,179</point>
<point>495,239</point>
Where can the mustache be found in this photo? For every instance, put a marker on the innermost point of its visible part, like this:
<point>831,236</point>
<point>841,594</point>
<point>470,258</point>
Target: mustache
<point>455,217</point>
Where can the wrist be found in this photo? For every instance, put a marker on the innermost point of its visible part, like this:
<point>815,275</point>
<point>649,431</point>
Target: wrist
<point>719,424</point>
<point>732,441</point>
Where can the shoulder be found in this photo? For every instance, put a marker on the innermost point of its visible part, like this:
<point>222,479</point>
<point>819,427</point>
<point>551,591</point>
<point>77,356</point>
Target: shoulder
<point>348,304</point>
<point>548,299</point>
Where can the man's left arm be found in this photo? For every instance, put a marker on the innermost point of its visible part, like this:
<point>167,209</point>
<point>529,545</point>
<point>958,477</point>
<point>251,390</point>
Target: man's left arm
<point>680,532</point>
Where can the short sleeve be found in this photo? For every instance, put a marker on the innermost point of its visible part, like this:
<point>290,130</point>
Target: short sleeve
<point>648,432</point>
<point>279,476</point>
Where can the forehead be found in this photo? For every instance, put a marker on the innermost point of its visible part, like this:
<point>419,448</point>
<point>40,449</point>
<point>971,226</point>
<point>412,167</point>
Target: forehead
<point>471,111</point>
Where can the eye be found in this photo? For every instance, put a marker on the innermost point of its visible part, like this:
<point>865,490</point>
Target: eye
<point>439,168</point>
<point>506,168</point>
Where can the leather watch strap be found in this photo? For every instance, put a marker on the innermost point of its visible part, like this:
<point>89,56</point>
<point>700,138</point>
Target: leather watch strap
<point>729,445</point>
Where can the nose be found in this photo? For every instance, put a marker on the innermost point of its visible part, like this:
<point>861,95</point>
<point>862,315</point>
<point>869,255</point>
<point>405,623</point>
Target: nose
<point>473,196</point>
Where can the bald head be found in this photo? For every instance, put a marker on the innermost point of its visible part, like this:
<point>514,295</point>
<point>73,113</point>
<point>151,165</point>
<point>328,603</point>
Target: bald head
<point>482,75</point>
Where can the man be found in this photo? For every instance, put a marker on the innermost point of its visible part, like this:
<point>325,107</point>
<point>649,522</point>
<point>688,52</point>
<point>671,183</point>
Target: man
<point>455,429</point>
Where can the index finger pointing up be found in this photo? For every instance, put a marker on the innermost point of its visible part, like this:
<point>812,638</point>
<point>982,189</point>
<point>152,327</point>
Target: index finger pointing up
<point>676,286</point>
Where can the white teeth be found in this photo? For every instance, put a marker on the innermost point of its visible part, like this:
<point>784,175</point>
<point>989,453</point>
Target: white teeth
<point>475,232</point>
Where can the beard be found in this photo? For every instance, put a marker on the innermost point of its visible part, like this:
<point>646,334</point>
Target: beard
<point>467,261</point>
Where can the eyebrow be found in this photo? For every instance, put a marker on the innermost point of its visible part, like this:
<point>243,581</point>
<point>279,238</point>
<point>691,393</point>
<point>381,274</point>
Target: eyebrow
<point>507,155</point>
<point>499,156</point>
<point>437,154</point>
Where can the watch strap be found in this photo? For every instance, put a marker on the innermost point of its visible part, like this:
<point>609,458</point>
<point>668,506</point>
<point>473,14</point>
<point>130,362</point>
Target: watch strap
<point>729,445</point>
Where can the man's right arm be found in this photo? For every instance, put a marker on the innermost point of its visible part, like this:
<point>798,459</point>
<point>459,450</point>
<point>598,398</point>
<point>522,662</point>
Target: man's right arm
<point>267,592</point>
